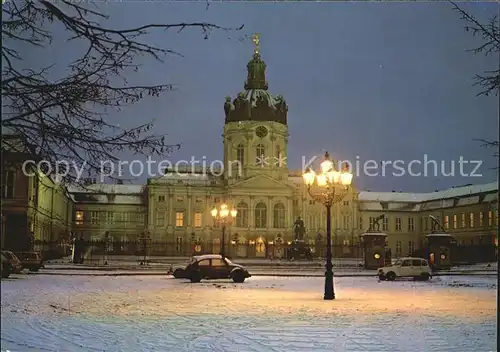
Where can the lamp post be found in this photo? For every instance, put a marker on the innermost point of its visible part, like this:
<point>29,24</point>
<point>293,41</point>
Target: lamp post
<point>329,186</point>
<point>223,216</point>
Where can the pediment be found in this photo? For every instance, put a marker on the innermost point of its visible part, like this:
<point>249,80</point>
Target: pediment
<point>262,182</point>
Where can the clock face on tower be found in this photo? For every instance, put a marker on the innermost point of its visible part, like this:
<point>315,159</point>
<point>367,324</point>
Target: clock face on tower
<point>261,131</point>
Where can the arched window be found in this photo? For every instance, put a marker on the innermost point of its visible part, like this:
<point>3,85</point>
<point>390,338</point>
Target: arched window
<point>260,152</point>
<point>242,215</point>
<point>260,216</point>
<point>240,154</point>
<point>279,216</point>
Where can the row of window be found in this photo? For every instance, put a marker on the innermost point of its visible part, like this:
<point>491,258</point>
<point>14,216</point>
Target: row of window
<point>465,222</point>
<point>469,220</point>
<point>107,217</point>
<point>260,217</point>
<point>399,248</point>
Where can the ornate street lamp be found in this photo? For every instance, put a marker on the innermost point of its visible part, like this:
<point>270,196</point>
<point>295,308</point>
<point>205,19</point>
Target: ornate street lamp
<point>329,186</point>
<point>224,216</point>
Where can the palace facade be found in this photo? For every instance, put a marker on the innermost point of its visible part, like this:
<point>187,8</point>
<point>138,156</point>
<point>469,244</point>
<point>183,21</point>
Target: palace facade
<point>174,209</point>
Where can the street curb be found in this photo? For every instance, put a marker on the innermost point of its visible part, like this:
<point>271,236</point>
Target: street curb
<point>258,274</point>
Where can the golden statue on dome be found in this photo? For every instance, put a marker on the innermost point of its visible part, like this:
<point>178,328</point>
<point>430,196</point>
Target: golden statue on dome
<point>256,41</point>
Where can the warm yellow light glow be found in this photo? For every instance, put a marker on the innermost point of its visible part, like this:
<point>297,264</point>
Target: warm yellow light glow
<point>271,243</point>
<point>79,215</point>
<point>333,176</point>
<point>233,242</point>
<point>214,212</point>
<point>223,212</point>
<point>309,177</point>
<point>234,212</point>
<point>321,179</point>
<point>326,166</point>
<point>443,257</point>
<point>223,206</point>
<point>377,256</point>
<point>346,178</point>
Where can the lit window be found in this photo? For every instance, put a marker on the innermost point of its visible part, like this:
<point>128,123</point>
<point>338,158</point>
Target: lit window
<point>179,219</point>
<point>454,221</point>
<point>462,222</point>
<point>490,218</point>
<point>197,219</point>
<point>472,220</point>
<point>446,222</point>
<point>79,217</point>
<point>481,219</point>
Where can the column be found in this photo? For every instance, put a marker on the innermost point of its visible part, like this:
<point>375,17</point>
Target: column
<point>270,213</point>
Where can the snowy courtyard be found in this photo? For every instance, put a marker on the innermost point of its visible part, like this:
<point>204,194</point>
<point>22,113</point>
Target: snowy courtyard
<point>154,313</point>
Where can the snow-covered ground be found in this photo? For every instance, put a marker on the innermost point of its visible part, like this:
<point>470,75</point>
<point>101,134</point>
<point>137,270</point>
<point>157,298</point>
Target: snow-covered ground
<point>155,313</point>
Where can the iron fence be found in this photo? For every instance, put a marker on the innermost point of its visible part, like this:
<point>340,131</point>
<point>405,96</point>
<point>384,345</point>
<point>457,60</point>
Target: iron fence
<point>148,250</point>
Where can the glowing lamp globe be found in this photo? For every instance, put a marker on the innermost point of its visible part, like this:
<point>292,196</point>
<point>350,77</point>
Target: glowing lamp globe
<point>346,178</point>
<point>214,212</point>
<point>309,177</point>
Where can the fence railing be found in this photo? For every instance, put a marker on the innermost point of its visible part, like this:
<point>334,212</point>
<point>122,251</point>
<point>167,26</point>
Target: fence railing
<point>149,250</point>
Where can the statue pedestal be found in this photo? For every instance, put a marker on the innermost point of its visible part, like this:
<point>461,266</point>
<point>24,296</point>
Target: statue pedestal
<point>374,249</point>
<point>439,250</point>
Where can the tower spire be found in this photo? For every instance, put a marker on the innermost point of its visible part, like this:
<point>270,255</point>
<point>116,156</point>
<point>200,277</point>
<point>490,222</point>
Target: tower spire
<point>256,68</point>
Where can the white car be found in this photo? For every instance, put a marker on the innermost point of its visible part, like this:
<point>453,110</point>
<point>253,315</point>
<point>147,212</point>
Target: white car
<point>417,268</point>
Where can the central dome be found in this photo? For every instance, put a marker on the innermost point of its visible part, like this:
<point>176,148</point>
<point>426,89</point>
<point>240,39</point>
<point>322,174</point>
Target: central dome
<point>256,103</point>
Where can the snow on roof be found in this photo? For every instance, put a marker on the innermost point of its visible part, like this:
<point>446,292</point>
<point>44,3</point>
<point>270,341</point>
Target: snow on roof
<point>207,256</point>
<point>438,235</point>
<point>425,197</point>
<point>107,188</point>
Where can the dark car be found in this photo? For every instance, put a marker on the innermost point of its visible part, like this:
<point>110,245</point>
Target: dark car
<point>6,267</point>
<point>16,265</point>
<point>30,260</point>
<point>213,266</point>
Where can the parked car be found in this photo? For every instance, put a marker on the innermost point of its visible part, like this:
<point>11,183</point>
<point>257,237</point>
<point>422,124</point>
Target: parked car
<point>416,268</point>
<point>213,266</point>
<point>16,265</point>
<point>6,267</point>
<point>30,260</point>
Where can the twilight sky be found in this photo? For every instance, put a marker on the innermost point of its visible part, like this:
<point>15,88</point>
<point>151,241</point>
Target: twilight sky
<point>381,81</point>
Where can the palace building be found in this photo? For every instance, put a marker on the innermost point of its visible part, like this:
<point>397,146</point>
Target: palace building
<point>175,209</point>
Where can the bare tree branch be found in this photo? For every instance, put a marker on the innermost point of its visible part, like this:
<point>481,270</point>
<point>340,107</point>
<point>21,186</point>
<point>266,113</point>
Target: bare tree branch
<point>488,81</point>
<point>66,118</point>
